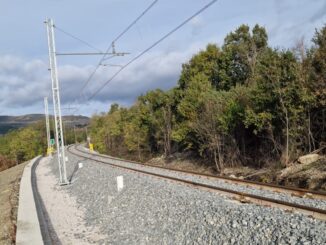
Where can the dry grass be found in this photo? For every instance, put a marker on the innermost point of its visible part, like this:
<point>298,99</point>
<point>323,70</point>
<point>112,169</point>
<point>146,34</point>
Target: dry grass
<point>5,163</point>
<point>9,191</point>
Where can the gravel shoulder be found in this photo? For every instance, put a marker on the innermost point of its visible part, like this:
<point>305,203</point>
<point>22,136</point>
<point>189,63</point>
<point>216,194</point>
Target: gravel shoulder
<point>65,219</point>
<point>9,196</point>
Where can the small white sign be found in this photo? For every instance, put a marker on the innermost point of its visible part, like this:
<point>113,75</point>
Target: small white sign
<point>66,158</point>
<point>80,165</point>
<point>110,198</point>
<point>120,183</point>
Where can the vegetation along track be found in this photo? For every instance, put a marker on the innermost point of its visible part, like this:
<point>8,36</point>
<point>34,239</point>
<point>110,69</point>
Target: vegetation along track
<point>242,196</point>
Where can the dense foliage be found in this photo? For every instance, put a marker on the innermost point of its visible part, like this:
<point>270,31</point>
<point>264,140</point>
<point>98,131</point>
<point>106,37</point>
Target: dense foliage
<point>243,103</point>
<point>23,144</point>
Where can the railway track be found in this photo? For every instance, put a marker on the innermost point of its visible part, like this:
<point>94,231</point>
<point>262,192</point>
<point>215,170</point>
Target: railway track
<point>298,192</point>
<point>241,196</point>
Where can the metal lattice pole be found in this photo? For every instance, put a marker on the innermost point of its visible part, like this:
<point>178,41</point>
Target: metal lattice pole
<point>47,123</point>
<point>56,103</point>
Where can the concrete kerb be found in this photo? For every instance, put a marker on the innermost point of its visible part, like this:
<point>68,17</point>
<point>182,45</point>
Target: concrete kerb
<point>28,225</point>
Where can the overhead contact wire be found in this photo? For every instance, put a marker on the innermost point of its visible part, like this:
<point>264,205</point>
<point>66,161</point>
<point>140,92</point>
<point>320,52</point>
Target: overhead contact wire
<point>116,39</point>
<point>78,39</point>
<point>152,46</point>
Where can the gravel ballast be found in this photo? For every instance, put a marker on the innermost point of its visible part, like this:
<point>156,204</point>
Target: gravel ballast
<point>321,204</point>
<point>150,210</point>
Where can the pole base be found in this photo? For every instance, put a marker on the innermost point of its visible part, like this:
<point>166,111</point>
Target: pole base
<point>64,183</point>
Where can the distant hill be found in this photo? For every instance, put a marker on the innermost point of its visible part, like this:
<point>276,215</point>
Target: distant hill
<point>13,122</point>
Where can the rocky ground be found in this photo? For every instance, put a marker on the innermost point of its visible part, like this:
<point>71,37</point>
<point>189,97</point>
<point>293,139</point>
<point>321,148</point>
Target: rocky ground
<point>9,192</point>
<point>149,210</point>
<point>310,175</point>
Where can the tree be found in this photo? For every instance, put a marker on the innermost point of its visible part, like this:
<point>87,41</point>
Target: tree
<point>136,131</point>
<point>241,50</point>
<point>23,144</point>
<point>244,103</point>
<point>281,93</point>
<point>187,111</point>
<point>158,106</point>
<point>318,67</point>
<point>316,61</point>
<point>97,132</point>
<point>204,63</point>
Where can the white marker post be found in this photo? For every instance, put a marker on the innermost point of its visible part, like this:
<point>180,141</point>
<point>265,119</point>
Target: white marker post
<point>119,183</point>
<point>80,165</point>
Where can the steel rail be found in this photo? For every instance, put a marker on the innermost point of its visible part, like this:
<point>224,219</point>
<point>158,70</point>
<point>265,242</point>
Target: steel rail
<point>294,191</point>
<point>240,196</point>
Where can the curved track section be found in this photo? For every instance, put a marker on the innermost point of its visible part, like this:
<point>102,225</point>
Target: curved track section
<point>298,192</point>
<point>242,196</point>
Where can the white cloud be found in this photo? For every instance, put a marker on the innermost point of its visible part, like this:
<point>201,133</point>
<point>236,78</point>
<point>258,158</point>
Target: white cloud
<point>24,83</point>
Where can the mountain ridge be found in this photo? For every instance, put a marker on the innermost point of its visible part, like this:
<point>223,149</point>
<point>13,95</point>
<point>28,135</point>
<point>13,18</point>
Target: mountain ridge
<point>8,123</point>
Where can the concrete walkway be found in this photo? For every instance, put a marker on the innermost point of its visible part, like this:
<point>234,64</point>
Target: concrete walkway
<point>28,227</point>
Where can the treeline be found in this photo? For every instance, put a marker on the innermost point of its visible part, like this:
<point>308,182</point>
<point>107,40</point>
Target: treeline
<point>244,103</point>
<point>23,144</point>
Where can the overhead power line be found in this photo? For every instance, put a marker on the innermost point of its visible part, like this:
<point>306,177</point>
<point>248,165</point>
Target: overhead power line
<point>152,46</point>
<point>112,43</point>
<point>135,21</point>
<point>78,39</point>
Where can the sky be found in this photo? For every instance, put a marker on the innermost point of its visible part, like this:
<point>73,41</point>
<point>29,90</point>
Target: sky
<point>25,78</point>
